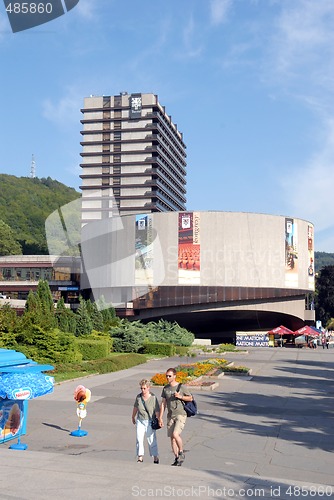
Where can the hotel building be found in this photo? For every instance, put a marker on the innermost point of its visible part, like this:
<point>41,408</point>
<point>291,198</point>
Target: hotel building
<point>133,157</point>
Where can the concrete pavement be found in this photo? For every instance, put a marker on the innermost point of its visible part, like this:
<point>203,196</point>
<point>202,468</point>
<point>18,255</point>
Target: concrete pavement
<point>265,436</point>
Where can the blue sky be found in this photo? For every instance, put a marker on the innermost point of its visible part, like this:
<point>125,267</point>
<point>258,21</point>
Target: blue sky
<point>250,83</point>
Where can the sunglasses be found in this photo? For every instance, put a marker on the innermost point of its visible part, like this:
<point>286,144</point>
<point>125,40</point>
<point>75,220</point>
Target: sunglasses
<point>169,376</point>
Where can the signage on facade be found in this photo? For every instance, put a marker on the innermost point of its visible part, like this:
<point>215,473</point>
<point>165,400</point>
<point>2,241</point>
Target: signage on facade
<point>258,340</point>
<point>135,106</point>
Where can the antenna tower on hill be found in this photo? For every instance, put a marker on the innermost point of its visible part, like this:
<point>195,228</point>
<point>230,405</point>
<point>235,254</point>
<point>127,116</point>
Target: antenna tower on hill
<point>33,167</point>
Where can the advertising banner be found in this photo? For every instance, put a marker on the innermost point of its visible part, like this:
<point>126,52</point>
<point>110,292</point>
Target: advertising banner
<point>258,340</point>
<point>189,246</point>
<point>143,250</point>
<point>12,419</point>
<point>310,248</point>
<point>291,253</point>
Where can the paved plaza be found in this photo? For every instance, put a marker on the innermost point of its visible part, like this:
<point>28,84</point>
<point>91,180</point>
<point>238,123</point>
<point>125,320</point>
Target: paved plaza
<point>268,435</point>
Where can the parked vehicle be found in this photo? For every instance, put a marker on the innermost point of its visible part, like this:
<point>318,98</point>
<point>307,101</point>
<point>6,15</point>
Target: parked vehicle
<point>302,341</point>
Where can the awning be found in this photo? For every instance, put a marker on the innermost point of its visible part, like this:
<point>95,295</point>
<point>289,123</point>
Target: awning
<point>281,330</point>
<point>25,383</point>
<point>308,330</point>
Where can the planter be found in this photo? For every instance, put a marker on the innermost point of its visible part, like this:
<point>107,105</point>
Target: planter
<point>205,385</point>
<point>238,374</point>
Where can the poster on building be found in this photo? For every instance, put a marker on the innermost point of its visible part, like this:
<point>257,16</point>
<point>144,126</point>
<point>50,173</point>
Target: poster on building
<point>310,248</point>
<point>189,245</point>
<point>291,253</point>
<point>143,250</point>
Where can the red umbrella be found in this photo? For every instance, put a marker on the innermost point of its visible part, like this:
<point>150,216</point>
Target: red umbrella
<point>307,330</point>
<point>281,330</point>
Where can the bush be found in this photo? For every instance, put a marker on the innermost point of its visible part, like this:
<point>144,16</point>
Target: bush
<point>226,348</point>
<point>173,333</point>
<point>183,351</point>
<point>159,349</point>
<point>105,365</point>
<point>93,348</point>
<point>127,336</point>
<point>51,346</point>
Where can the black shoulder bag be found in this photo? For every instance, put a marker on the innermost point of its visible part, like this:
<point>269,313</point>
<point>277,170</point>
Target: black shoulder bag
<point>153,419</point>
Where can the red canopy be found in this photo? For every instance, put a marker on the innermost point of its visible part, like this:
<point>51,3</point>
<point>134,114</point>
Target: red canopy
<point>307,330</point>
<point>281,330</point>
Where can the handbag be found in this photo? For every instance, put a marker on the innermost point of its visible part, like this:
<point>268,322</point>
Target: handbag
<point>155,424</point>
<point>153,420</point>
<point>190,407</point>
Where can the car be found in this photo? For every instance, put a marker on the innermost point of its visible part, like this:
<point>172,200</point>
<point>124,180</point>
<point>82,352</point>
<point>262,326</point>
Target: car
<point>2,296</point>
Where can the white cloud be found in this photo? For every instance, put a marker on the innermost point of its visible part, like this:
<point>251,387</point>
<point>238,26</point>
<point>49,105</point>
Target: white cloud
<point>310,188</point>
<point>65,110</point>
<point>4,26</point>
<point>86,8</point>
<point>301,50</point>
<point>219,10</point>
<point>192,48</point>
<point>299,64</point>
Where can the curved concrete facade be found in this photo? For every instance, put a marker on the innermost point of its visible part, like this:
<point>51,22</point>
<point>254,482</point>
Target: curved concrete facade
<point>173,264</point>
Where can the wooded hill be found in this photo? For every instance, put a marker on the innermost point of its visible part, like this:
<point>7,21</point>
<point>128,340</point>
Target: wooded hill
<point>25,204</point>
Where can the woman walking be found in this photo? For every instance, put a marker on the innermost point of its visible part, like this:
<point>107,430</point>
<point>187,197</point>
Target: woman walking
<point>145,407</point>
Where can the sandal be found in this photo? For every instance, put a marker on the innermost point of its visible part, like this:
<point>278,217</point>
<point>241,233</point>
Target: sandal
<point>140,459</point>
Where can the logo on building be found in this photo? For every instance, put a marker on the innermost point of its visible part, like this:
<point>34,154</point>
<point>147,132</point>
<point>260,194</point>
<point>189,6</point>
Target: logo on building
<point>135,105</point>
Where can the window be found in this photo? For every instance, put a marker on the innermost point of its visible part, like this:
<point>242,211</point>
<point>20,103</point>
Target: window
<point>117,136</point>
<point>117,148</point>
<point>117,125</point>
<point>117,113</point>
<point>106,102</point>
<point>118,100</point>
<point>117,158</point>
<point>105,181</point>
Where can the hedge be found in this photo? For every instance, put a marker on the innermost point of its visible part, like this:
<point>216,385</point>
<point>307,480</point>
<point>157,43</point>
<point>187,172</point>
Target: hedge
<point>93,348</point>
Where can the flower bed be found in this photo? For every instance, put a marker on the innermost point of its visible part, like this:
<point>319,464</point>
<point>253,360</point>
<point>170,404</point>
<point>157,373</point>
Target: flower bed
<point>191,373</point>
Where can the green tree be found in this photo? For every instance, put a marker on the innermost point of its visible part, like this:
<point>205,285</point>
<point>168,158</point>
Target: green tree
<point>108,314</point>
<point>325,294</point>
<point>84,324</point>
<point>39,308</point>
<point>8,326</point>
<point>44,294</point>
<point>8,243</point>
<point>95,316</point>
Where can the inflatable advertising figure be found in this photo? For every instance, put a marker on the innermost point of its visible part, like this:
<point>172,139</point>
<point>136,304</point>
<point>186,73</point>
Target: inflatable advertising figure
<point>82,396</point>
